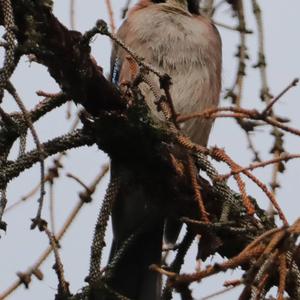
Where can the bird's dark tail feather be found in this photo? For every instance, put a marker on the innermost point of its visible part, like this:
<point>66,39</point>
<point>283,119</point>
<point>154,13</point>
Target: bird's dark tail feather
<point>134,214</point>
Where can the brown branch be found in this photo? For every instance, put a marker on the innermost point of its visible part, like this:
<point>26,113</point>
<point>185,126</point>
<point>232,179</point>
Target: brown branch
<point>242,54</point>
<point>72,14</point>
<point>278,124</point>
<point>204,215</point>
<point>285,157</point>
<point>211,270</point>
<point>220,154</point>
<point>111,16</point>
<point>261,64</point>
<point>275,99</point>
<point>52,207</point>
<point>283,270</point>
<point>261,249</point>
<point>63,286</point>
<point>77,179</point>
<point>239,113</point>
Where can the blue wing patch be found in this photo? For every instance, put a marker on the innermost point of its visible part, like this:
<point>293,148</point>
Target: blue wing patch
<point>116,72</point>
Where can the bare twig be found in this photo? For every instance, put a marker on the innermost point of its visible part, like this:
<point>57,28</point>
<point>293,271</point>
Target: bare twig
<point>52,206</point>
<point>283,270</point>
<point>53,172</point>
<point>239,113</point>
<point>39,146</point>
<point>63,286</point>
<point>111,16</point>
<point>102,29</point>
<point>125,9</point>
<point>77,179</point>
<point>72,14</point>
<point>34,269</point>
<point>275,99</point>
<point>204,215</point>
<point>211,270</point>
<point>284,157</point>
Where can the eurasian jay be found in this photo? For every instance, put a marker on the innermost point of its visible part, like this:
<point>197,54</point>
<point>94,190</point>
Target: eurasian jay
<point>175,39</point>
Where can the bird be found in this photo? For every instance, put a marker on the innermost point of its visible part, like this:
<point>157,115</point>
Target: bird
<point>175,39</point>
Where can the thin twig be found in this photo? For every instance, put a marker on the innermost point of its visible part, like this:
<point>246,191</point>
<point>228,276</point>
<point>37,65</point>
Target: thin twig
<point>72,14</point>
<point>52,207</point>
<point>102,29</point>
<point>111,16</point>
<point>77,179</point>
<point>283,270</point>
<point>204,215</point>
<point>211,270</point>
<point>39,147</point>
<point>125,9</point>
<point>275,99</point>
<point>284,157</point>
<point>220,154</point>
<point>35,267</point>
<point>239,113</point>
<point>52,171</point>
<point>63,286</point>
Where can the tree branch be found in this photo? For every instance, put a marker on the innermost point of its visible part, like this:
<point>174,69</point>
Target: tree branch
<point>12,169</point>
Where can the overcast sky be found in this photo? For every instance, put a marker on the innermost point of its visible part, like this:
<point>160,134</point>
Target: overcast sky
<point>20,247</point>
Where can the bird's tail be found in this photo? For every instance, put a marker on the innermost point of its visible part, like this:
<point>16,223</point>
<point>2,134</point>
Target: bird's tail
<point>138,230</point>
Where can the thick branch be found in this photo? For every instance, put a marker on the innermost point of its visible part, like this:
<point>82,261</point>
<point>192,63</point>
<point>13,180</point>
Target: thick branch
<point>12,169</point>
